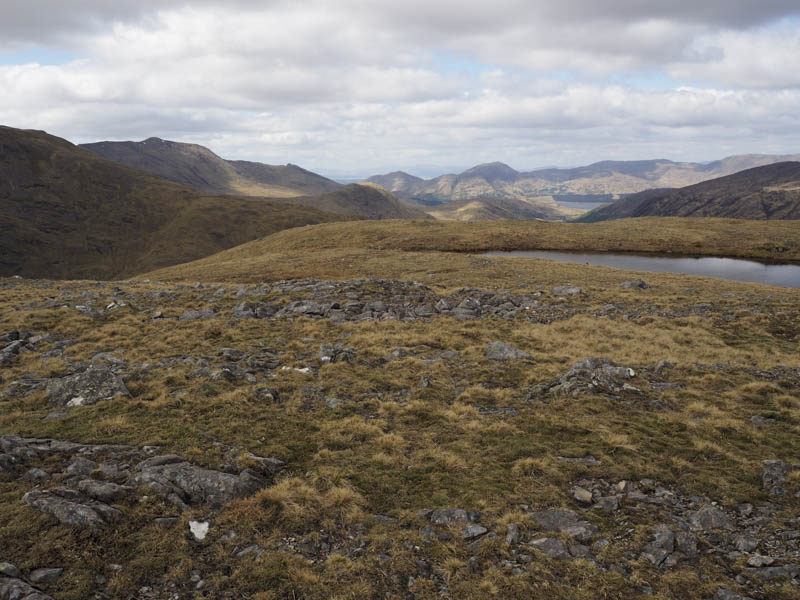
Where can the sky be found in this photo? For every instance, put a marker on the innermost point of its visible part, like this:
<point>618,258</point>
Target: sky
<point>351,88</point>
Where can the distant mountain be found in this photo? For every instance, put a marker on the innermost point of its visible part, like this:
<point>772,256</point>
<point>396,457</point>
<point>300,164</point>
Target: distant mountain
<point>66,213</point>
<point>198,167</point>
<point>606,180</point>
<point>767,192</point>
<point>363,201</point>
<point>500,209</point>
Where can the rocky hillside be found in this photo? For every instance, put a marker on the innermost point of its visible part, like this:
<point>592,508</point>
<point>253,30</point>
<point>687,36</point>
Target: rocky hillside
<point>606,180</point>
<point>499,209</point>
<point>66,213</point>
<point>198,167</point>
<point>769,192</point>
<point>507,429</point>
<point>362,201</point>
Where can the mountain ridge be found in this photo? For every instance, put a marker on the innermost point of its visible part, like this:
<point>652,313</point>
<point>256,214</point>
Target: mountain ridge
<point>612,179</point>
<point>67,213</point>
<point>199,167</point>
<point>763,193</point>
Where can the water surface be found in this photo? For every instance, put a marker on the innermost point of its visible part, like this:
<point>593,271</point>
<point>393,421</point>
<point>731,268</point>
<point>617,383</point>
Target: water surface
<point>737,269</point>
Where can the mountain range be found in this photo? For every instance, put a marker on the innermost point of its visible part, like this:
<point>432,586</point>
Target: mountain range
<point>67,213</point>
<point>766,192</point>
<point>602,181</point>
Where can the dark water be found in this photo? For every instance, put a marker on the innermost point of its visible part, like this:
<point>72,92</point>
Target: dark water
<point>581,205</point>
<point>785,275</point>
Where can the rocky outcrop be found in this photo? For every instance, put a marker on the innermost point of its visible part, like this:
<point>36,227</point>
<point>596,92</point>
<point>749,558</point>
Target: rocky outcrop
<point>72,508</point>
<point>88,387</point>
<point>593,376</point>
<point>186,484</point>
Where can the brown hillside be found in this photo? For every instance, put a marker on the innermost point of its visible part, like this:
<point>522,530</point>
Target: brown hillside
<point>65,213</point>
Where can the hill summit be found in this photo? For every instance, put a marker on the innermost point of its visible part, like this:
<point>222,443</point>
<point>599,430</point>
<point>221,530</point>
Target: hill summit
<point>198,167</point>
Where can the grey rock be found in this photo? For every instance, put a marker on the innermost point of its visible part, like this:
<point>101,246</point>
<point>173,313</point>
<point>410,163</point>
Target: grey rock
<point>332,353</point>
<point>760,561</point>
<point>472,532</point>
<point>163,459</point>
<point>686,544</point>
<point>550,547</point>
<point>432,534</point>
<point>512,534</point>
<point>774,473</point>
<point>36,475</point>
<point>770,573</point>
<point>501,351</point>
<point>88,387</point>
<point>594,375</point>
<point>104,492</point>
<point>745,543</point>
<point>253,310</point>
<point>335,402</point>
<point>580,551</point>
<point>8,569</point>
<point>565,290</point>
<point>45,575</point>
<point>759,420</point>
<point>195,485</point>
<point>709,518</point>
<point>8,463</point>
<point>565,521</point>
<point>661,547</point>
<point>71,508</point>
<point>12,588</point>
<point>166,522</point>
<point>81,466</point>
<point>639,284</point>
<point>446,516</point>
<point>607,504</point>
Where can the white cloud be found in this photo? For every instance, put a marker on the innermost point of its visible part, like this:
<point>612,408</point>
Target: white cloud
<point>359,85</point>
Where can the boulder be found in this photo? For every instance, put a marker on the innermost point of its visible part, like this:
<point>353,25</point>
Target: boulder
<point>332,353</point>
<point>104,492</point>
<point>45,575</point>
<point>8,569</point>
<point>253,310</point>
<point>565,521</point>
<point>773,474</point>
<point>12,588</point>
<point>594,375</point>
<point>638,284</point>
<point>72,508</point>
<point>709,518</point>
<point>550,547</point>
<point>446,516</point>
<point>661,547</point>
<point>88,387</point>
<point>186,483</point>
<point>566,290</point>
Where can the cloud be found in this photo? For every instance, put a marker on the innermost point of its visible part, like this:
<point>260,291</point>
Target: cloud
<point>359,85</point>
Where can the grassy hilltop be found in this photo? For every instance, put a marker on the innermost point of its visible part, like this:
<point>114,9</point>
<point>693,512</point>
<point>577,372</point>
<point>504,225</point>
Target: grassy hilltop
<point>387,399</point>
